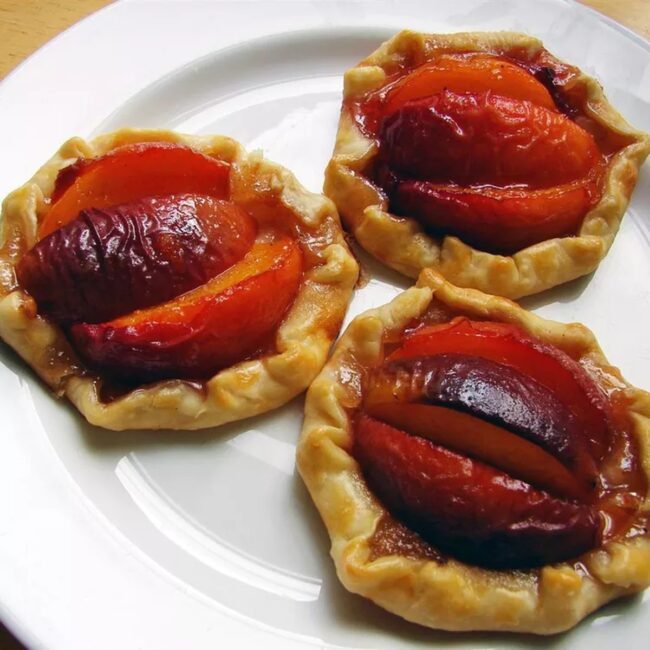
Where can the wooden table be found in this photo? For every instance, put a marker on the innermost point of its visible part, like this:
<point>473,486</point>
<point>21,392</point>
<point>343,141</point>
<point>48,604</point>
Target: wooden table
<point>25,25</point>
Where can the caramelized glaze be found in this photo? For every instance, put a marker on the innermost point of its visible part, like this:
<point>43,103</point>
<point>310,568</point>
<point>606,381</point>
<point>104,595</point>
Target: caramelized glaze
<point>621,487</point>
<point>558,77</point>
<point>393,538</point>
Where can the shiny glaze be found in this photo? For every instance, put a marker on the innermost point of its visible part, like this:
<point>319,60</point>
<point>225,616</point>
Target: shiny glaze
<point>110,261</point>
<point>619,490</point>
<point>499,152</point>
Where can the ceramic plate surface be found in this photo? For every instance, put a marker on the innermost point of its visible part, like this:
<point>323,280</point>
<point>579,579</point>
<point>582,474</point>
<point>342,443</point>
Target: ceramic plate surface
<point>203,540</point>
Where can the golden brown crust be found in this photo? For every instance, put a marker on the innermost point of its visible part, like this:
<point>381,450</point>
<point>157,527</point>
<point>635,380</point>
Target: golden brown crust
<point>449,594</point>
<point>402,244</point>
<point>302,341</point>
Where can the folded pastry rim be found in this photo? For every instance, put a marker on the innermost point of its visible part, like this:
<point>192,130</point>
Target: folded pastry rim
<point>245,389</point>
<point>404,245</point>
<point>450,594</point>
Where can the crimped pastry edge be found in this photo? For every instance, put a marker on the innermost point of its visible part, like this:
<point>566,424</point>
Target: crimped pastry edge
<point>248,388</point>
<point>451,595</point>
<point>402,243</point>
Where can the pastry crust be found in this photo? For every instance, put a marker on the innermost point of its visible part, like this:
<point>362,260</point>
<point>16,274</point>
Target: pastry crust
<point>446,593</point>
<point>402,243</point>
<point>269,192</point>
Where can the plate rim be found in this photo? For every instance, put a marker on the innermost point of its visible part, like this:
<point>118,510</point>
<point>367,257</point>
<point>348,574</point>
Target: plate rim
<point>20,628</point>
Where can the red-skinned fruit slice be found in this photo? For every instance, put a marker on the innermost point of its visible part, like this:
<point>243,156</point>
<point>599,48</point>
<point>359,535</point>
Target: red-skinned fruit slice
<point>109,262</point>
<point>466,508</point>
<point>490,411</point>
<point>486,139</point>
<point>510,345</point>
<point>494,219</point>
<point>468,74</point>
<point>133,172</point>
<point>477,438</point>
<point>226,320</point>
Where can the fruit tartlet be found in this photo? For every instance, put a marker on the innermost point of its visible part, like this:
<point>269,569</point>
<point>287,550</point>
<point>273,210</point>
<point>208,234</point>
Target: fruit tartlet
<point>483,156</point>
<point>478,467</point>
<point>161,280</point>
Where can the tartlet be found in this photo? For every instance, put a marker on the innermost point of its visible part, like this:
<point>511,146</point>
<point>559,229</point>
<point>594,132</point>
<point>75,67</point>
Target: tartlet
<point>256,383</point>
<point>589,213</point>
<point>377,552</point>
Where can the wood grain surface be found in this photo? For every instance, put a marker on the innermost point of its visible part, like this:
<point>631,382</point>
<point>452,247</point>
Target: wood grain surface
<point>26,25</point>
<point>634,14</point>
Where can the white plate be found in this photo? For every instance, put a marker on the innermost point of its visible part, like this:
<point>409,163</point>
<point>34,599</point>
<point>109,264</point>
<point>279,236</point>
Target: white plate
<point>197,540</point>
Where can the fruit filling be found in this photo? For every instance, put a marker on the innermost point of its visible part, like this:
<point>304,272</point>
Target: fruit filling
<point>474,145</point>
<point>223,321</point>
<point>495,447</point>
<point>133,172</point>
<point>152,272</point>
<point>110,261</point>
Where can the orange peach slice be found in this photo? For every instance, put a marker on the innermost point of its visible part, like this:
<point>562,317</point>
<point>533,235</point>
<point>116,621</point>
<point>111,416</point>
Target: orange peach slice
<point>486,139</point>
<point>467,508</point>
<point>469,74</point>
<point>130,173</point>
<point>110,261</point>
<point>496,219</point>
<point>226,320</point>
<point>510,345</point>
<point>480,439</point>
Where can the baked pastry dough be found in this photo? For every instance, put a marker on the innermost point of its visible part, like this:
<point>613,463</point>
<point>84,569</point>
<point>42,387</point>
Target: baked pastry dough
<point>401,242</point>
<point>407,576</point>
<point>265,190</point>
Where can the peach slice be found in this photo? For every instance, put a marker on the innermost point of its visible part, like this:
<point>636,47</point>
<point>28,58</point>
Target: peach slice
<point>467,508</point>
<point>226,320</point>
<point>133,172</point>
<point>109,262</point>
<point>468,74</point>
<point>486,139</point>
<point>510,345</point>
<point>396,401</point>
<point>486,410</point>
<point>495,219</point>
